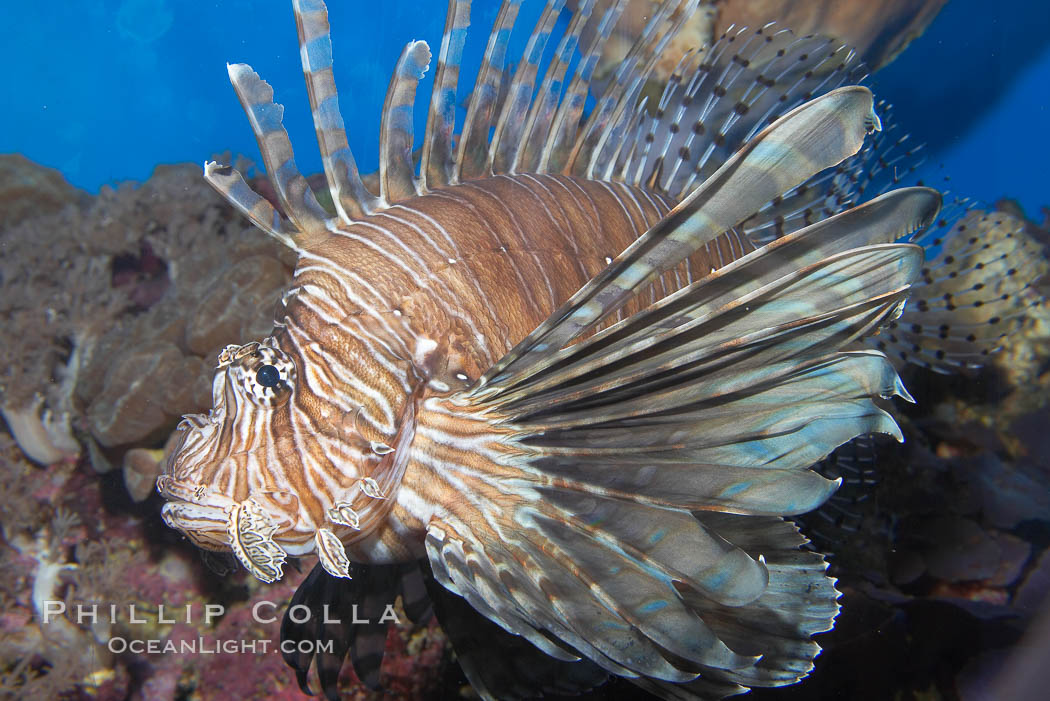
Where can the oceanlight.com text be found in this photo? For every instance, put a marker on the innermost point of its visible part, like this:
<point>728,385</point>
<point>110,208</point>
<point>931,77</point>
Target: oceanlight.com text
<point>202,646</point>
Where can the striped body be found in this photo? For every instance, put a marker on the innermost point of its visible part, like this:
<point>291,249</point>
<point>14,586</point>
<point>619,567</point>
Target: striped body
<point>409,303</point>
<point>417,301</point>
<point>412,303</point>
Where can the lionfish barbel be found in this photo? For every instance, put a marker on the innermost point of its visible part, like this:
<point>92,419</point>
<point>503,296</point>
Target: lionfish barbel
<point>546,358</point>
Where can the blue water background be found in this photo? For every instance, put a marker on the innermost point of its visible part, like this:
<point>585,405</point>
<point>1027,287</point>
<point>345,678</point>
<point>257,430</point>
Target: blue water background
<point>106,90</point>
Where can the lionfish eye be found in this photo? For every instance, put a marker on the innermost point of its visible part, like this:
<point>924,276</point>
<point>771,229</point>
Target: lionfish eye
<point>265,375</point>
<point>268,376</point>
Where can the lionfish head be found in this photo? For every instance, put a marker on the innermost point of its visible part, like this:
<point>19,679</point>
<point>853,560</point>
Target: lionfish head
<point>223,478</point>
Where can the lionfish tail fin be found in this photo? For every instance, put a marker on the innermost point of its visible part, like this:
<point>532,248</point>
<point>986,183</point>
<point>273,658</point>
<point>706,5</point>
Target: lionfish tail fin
<point>604,472</point>
<point>974,292</point>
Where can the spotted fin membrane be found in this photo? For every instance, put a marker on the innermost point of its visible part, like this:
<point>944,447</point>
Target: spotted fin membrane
<point>833,523</point>
<point>974,292</point>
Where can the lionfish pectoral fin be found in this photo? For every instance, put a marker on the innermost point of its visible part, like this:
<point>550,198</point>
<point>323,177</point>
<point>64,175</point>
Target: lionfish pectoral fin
<point>814,136</point>
<point>251,531</point>
<point>801,601</point>
<point>504,666</point>
<point>594,525</point>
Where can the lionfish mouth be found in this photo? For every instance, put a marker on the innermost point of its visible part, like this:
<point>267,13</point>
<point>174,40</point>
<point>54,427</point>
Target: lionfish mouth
<point>215,521</point>
<point>196,512</point>
<point>212,519</point>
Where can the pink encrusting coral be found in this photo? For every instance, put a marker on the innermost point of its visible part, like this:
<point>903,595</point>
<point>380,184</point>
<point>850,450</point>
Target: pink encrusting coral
<point>66,546</point>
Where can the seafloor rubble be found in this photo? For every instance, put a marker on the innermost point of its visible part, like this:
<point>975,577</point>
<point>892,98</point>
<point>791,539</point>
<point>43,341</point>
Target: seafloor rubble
<point>115,307</point>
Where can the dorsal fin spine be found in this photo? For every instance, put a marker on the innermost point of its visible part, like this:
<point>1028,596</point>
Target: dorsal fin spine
<point>564,127</point>
<point>352,200</point>
<point>266,118</point>
<point>437,162</point>
<point>629,76</point>
<point>230,184</point>
<point>472,159</point>
<point>510,126</point>
<point>546,101</point>
<point>397,179</point>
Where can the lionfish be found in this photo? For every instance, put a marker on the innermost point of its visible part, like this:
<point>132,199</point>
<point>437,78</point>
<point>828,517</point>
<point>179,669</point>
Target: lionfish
<point>548,361</point>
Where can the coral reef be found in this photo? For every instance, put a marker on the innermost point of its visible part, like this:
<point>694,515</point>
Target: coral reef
<point>29,189</point>
<point>117,307</point>
<point>55,295</point>
<point>220,281</point>
<point>878,31</point>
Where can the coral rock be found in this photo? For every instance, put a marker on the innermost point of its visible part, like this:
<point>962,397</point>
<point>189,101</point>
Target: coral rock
<point>28,189</point>
<point>877,30</point>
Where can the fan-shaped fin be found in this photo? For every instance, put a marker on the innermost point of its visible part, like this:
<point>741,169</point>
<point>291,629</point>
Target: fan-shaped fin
<point>878,222</point>
<point>812,137</point>
<point>504,666</point>
<point>799,601</point>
